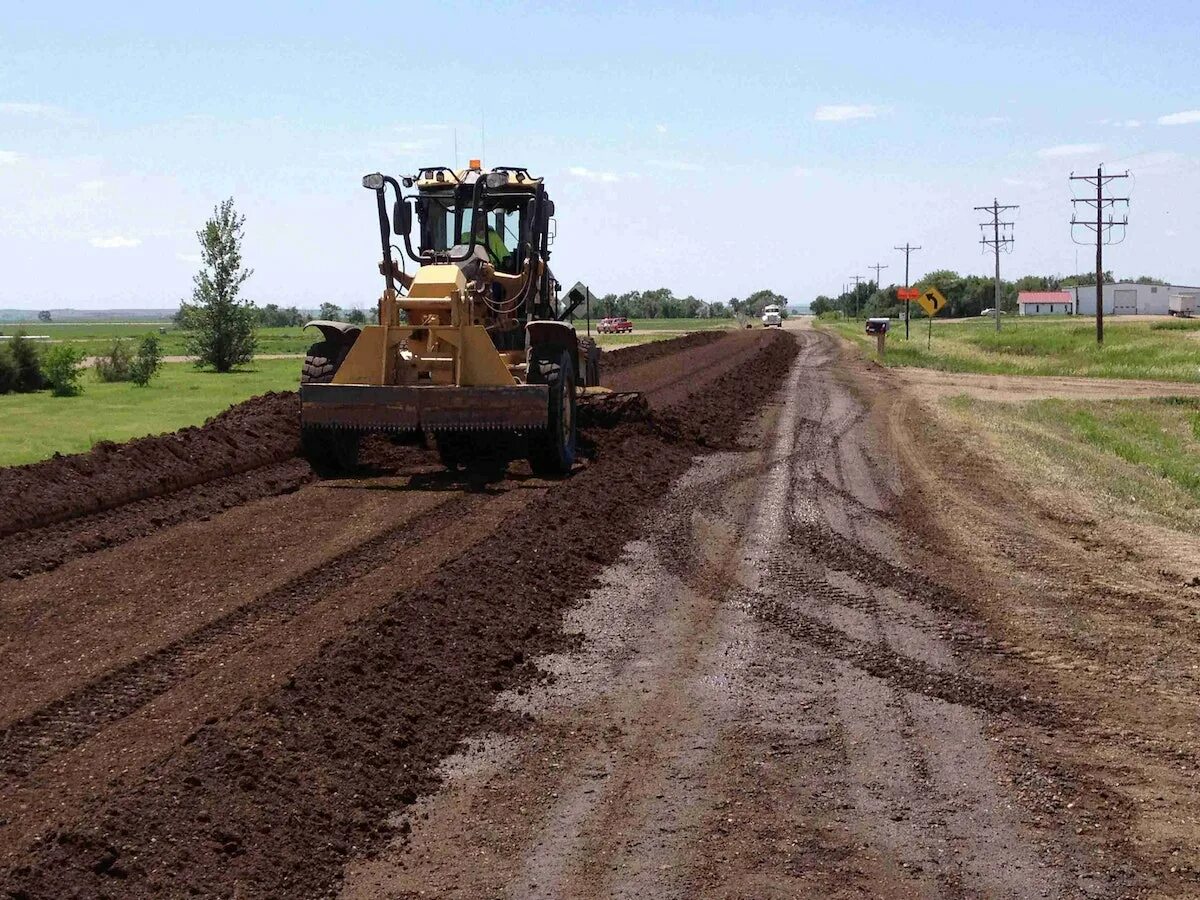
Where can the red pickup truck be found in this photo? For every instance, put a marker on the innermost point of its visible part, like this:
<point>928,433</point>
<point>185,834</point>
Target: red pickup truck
<point>615,325</point>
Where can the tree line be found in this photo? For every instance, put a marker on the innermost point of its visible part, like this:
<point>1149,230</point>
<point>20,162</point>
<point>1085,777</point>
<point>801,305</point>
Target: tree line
<point>661,303</point>
<point>966,295</point>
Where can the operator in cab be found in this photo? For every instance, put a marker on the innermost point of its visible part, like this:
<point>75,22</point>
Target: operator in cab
<point>487,238</point>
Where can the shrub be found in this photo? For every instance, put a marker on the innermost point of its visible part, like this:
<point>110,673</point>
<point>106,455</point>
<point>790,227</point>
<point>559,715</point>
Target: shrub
<point>63,367</point>
<point>115,364</point>
<point>147,362</point>
<point>8,371</point>
<point>28,365</point>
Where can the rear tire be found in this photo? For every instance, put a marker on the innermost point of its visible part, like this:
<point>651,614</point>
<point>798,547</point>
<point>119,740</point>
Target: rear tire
<point>552,450</point>
<point>322,361</point>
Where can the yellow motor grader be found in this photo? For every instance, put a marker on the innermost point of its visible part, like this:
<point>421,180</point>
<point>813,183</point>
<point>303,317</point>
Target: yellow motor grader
<point>474,347</point>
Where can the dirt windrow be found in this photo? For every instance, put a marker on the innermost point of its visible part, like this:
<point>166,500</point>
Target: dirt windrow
<point>273,800</point>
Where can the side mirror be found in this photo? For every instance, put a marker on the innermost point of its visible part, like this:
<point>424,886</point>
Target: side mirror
<point>402,217</point>
<point>495,180</point>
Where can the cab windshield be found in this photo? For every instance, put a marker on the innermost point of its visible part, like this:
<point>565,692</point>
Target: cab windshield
<point>446,225</point>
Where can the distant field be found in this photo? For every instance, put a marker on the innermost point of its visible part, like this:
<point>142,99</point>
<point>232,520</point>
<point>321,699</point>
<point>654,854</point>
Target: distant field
<point>96,337</point>
<point>1160,350</point>
<point>38,425</point>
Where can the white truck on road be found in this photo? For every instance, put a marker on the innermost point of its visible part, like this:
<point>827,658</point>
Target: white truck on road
<point>771,317</point>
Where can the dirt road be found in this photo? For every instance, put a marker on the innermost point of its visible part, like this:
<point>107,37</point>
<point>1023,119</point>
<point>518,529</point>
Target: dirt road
<point>748,650</point>
<point>766,702</point>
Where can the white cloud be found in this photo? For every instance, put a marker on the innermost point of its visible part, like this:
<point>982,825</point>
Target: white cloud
<point>590,175</point>
<point>9,157</point>
<point>1170,232</point>
<point>995,120</point>
<point>1187,117</point>
<point>189,258</point>
<point>676,165</point>
<point>116,242</point>
<point>92,187</point>
<point>1025,183</point>
<point>845,113</point>
<point>1069,150</point>
<point>44,110</point>
<point>803,172</point>
<point>661,129</point>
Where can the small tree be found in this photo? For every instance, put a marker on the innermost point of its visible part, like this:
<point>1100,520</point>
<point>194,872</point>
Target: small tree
<point>44,315</point>
<point>356,317</point>
<point>329,311</point>
<point>63,367</point>
<point>114,365</point>
<point>147,362</point>
<point>221,326</point>
<point>27,364</point>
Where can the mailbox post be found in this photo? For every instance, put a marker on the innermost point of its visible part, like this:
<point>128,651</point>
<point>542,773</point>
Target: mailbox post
<point>879,328</point>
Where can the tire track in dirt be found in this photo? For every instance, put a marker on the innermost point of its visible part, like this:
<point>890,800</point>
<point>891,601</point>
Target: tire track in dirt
<point>70,720</point>
<point>274,797</point>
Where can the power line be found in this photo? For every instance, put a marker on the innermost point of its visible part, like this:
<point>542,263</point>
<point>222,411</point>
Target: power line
<point>877,267</point>
<point>907,303</point>
<point>1104,232</point>
<point>997,242</point>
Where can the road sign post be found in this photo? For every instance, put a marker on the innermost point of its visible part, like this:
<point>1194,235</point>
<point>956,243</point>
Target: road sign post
<point>933,302</point>
<point>907,295</point>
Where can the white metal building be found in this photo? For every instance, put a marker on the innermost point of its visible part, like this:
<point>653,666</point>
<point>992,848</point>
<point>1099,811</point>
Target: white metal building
<point>1127,299</point>
<point>1044,303</point>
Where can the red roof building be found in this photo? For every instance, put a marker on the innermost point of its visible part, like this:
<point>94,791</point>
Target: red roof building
<point>1044,303</point>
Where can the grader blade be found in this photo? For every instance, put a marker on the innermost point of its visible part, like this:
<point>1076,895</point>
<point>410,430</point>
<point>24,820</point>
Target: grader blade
<point>426,408</point>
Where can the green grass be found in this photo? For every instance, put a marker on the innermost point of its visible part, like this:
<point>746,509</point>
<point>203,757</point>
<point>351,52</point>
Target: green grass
<point>1160,351</point>
<point>96,337</point>
<point>36,426</point>
<point>1144,453</point>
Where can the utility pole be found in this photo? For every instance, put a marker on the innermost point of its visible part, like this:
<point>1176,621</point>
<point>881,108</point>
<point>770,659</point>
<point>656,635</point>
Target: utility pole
<point>877,267</point>
<point>1103,233</point>
<point>997,243</point>
<point>857,279</point>
<point>907,303</point>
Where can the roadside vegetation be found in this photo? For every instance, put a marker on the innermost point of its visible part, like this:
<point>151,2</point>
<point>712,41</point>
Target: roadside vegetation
<point>1135,454</point>
<point>1167,350</point>
<point>38,425</point>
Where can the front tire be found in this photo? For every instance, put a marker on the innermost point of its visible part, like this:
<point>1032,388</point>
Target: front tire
<point>552,450</point>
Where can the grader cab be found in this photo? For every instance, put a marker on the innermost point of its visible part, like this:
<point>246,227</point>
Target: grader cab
<point>474,347</point>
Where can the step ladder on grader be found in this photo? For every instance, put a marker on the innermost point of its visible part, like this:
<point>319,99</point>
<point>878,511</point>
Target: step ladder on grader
<point>474,347</point>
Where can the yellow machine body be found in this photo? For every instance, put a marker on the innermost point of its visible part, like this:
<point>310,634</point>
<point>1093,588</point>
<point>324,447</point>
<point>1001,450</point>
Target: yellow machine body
<point>438,369</point>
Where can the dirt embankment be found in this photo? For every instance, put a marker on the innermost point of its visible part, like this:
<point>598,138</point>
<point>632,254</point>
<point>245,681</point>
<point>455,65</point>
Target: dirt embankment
<point>67,506</point>
<point>273,799</point>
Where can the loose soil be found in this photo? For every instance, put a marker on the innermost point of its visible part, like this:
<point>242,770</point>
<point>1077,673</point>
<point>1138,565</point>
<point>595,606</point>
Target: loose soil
<point>158,775</point>
<point>781,634</point>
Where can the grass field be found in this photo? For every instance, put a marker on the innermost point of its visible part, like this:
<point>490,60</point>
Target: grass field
<point>1167,350</point>
<point>36,426</point>
<point>95,338</point>
<point>1135,453</point>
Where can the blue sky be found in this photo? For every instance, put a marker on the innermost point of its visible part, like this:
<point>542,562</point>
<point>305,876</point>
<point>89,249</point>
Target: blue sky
<point>712,148</point>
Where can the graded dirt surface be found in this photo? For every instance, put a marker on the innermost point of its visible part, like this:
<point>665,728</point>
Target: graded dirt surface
<point>760,644</point>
